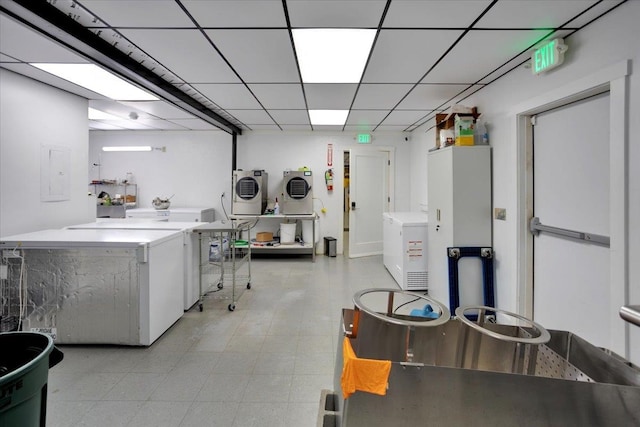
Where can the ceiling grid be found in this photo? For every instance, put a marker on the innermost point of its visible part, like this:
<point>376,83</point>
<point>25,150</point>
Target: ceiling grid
<point>232,64</point>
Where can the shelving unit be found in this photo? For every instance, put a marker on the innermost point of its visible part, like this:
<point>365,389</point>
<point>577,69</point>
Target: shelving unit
<point>293,248</point>
<point>129,192</point>
<point>231,256</point>
<point>118,206</point>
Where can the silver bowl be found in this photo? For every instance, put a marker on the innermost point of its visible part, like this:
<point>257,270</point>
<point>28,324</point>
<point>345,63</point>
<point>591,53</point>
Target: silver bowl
<point>161,204</point>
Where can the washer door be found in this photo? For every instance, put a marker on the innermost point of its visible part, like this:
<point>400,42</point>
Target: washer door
<point>298,188</point>
<point>247,188</point>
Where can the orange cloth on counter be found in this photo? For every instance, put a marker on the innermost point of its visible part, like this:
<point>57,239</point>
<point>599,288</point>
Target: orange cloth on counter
<point>368,375</point>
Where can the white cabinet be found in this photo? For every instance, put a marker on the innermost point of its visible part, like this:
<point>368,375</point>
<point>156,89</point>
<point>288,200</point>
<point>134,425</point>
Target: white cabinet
<point>459,197</point>
<point>405,248</point>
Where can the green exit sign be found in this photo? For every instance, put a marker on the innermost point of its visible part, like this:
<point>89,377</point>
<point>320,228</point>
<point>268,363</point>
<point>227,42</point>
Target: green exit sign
<point>548,56</point>
<point>364,138</point>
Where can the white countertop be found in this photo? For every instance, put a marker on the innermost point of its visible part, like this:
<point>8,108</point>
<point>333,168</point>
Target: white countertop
<point>174,210</point>
<point>136,224</point>
<point>64,238</point>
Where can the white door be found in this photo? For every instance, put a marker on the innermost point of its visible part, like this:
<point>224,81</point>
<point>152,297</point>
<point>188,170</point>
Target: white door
<point>369,198</point>
<point>571,191</point>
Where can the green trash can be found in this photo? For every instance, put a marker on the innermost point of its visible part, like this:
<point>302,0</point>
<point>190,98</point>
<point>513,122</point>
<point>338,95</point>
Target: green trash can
<point>25,359</point>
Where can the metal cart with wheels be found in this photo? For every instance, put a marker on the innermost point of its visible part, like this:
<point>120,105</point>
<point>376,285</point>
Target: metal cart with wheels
<point>222,255</point>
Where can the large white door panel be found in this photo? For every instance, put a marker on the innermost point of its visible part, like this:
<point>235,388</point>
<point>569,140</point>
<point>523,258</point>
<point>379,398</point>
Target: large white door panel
<point>369,195</point>
<point>571,191</point>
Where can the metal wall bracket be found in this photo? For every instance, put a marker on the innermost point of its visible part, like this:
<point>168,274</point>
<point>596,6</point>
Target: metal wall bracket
<point>536,227</point>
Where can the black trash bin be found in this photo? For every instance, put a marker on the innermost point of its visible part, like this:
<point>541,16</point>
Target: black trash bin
<point>25,359</point>
<point>330,246</point>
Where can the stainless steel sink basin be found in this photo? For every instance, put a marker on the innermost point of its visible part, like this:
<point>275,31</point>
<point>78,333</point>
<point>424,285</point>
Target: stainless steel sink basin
<point>459,371</point>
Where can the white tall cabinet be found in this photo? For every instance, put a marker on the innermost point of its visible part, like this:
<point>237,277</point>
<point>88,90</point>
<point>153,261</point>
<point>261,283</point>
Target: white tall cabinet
<point>459,197</point>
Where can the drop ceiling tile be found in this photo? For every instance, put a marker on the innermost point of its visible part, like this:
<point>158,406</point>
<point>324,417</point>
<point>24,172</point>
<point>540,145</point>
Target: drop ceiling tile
<point>405,117</point>
<point>119,109</point>
<point>532,13</point>
<point>252,117</point>
<point>404,56</point>
<point>329,96</point>
<point>430,96</point>
<point>372,96</point>
<point>159,109</point>
<point>595,12</point>
<point>44,77</point>
<point>375,130</point>
<point>296,127</point>
<point>434,14</point>
<point>127,124</point>
<point>138,13</point>
<point>5,58</point>
<point>365,117</point>
<point>279,95</point>
<point>194,124</point>
<point>229,96</point>
<point>237,13</point>
<point>26,45</point>
<point>264,127</point>
<point>290,117</point>
<point>97,125</point>
<point>186,53</point>
<point>471,59</point>
<point>336,14</point>
<point>259,56</point>
<point>161,124</point>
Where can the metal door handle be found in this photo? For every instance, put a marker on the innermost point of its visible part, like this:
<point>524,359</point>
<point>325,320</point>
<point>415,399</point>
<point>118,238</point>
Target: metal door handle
<point>631,313</point>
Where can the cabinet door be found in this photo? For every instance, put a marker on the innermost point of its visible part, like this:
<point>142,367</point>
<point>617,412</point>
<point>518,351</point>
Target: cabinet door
<point>440,199</point>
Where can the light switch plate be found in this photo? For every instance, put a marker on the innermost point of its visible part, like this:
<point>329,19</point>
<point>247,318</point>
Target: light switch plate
<point>500,213</point>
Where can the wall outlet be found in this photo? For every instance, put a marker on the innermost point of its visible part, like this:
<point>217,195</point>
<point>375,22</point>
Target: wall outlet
<point>500,213</point>
<point>224,193</point>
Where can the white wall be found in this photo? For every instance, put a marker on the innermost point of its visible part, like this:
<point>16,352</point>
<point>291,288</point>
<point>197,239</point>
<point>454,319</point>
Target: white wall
<point>33,114</point>
<point>195,168</point>
<point>278,151</point>
<point>608,41</point>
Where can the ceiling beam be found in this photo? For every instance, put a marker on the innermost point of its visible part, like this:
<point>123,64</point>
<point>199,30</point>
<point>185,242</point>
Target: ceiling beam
<point>54,24</point>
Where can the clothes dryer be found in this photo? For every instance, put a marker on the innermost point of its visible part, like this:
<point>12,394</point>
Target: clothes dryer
<point>297,192</point>
<point>249,192</point>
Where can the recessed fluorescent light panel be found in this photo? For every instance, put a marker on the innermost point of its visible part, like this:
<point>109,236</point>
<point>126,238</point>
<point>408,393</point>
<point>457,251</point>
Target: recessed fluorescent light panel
<point>97,80</point>
<point>328,117</point>
<point>332,55</point>
<point>101,115</point>
<point>128,148</point>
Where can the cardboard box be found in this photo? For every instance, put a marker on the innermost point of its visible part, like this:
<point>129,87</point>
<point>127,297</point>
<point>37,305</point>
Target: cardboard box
<point>264,236</point>
<point>464,140</point>
<point>446,121</point>
<point>464,130</point>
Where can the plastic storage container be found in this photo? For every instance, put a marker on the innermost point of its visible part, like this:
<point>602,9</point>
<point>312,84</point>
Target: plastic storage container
<point>25,360</point>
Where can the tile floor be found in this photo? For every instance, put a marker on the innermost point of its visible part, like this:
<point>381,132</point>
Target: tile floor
<point>265,364</point>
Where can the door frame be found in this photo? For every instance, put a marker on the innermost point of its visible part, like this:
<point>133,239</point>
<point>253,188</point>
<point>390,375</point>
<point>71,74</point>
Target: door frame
<point>612,79</point>
<point>391,151</point>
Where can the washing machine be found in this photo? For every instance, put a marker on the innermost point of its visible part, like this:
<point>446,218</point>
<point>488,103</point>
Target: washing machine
<point>297,192</point>
<point>249,192</point>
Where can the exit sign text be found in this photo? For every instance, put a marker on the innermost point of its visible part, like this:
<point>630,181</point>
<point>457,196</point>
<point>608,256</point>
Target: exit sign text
<point>548,56</point>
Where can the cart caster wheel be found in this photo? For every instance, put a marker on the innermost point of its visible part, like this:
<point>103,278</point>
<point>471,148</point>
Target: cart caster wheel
<point>220,285</point>
<point>248,285</point>
<point>200,307</point>
<point>232,307</point>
